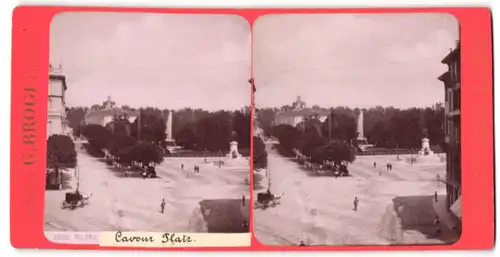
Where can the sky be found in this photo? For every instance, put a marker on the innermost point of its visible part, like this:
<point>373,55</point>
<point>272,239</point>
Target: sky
<point>167,61</point>
<point>355,60</point>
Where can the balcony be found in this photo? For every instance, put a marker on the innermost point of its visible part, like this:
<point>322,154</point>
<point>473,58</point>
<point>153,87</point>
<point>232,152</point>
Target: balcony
<point>453,113</point>
<point>56,113</point>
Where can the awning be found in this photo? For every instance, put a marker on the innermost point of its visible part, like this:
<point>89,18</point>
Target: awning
<point>456,207</point>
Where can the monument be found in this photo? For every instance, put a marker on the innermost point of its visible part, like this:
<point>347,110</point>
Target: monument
<point>169,127</point>
<point>361,139</point>
<point>426,148</point>
<point>233,150</point>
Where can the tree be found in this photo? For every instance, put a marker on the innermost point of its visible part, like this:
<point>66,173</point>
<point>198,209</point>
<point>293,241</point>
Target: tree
<point>310,141</point>
<point>120,125</point>
<point>119,142</point>
<point>339,151</point>
<point>95,107</point>
<point>75,117</point>
<point>265,118</point>
<point>61,154</point>
<point>288,136</point>
<point>97,136</point>
<point>187,137</point>
<point>259,153</point>
<point>242,125</point>
<point>215,131</point>
<point>340,126</point>
<point>146,153</point>
<point>152,127</point>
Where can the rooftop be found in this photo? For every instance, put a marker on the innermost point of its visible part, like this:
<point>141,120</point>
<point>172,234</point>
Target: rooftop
<point>453,54</point>
<point>303,112</point>
<point>110,112</point>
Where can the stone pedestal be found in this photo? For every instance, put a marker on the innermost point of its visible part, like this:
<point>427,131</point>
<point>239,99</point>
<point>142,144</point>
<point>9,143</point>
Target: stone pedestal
<point>233,150</point>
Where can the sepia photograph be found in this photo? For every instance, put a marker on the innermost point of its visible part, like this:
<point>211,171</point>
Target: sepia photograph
<point>149,123</point>
<point>357,129</point>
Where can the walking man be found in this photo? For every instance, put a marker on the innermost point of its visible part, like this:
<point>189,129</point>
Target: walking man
<point>435,196</point>
<point>162,205</point>
<point>374,165</point>
<point>243,200</point>
<point>182,167</point>
<point>356,201</point>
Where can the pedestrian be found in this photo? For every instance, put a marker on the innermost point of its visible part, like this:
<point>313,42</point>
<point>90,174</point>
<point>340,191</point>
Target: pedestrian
<point>435,196</point>
<point>162,205</point>
<point>243,200</point>
<point>374,165</point>
<point>356,201</point>
<point>182,166</point>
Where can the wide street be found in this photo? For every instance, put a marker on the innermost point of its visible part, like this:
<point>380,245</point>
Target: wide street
<point>133,203</point>
<point>395,207</point>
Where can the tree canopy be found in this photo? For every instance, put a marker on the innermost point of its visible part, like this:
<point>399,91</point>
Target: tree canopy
<point>61,153</point>
<point>259,153</point>
<point>385,127</point>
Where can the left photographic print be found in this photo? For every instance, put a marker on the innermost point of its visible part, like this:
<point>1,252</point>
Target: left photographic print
<point>148,123</point>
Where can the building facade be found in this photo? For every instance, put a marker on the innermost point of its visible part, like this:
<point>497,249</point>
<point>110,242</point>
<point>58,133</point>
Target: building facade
<point>107,113</point>
<point>56,118</point>
<point>451,80</point>
<point>297,113</point>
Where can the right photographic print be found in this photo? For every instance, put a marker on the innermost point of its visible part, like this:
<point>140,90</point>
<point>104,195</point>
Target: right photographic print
<point>357,129</point>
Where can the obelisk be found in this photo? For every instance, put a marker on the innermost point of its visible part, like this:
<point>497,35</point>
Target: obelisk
<point>169,126</point>
<point>360,131</point>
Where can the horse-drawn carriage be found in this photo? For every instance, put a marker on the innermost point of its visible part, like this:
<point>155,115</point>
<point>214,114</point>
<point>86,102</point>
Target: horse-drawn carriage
<point>149,172</point>
<point>266,199</point>
<point>73,200</point>
<point>340,171</point>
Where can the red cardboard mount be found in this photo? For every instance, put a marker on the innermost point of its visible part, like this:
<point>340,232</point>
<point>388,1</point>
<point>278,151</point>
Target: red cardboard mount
<point>30,55</point>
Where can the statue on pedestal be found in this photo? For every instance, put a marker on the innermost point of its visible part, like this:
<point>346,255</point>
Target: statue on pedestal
<point>233,147</point>
<point>426,147</point>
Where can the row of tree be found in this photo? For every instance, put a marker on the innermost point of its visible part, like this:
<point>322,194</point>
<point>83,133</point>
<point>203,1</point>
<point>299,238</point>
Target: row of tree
<point>384,127</point>
<point>194,129</point>
<point>212,131</point>
<point>310,142</point>
<point>128,142</point>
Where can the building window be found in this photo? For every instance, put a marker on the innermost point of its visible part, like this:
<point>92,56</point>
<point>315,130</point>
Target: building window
<point>49,127</point>
<point>457,100</point>
<point>452,71</point>
<point>450,100</point>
